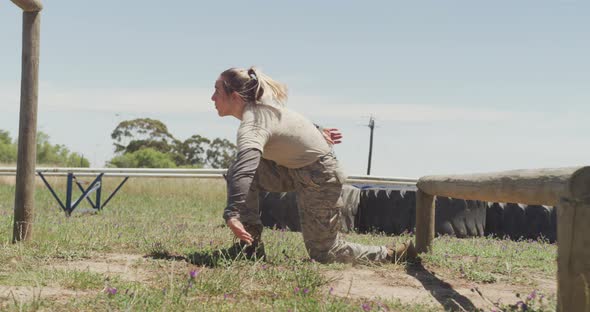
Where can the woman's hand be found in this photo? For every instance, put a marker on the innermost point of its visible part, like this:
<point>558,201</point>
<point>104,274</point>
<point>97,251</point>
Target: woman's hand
<point>238,229</point>
<point>332,135</point>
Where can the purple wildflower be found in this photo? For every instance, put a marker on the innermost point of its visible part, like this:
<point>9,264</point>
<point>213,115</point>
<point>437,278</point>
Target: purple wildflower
<point>263,267</point>
<point>366,307</point>
<point>193,274</point>
<point>305,291</point>
<point>331,290</point>
<point>532,295</point>
<point>111,291</point>
<point>296,290</point>
<point>521,305</point>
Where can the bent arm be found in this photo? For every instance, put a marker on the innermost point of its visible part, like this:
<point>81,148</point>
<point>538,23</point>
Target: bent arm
<point>239,178</point>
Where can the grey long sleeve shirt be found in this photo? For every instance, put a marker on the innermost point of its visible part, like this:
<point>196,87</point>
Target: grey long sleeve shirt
<point>239,178</point>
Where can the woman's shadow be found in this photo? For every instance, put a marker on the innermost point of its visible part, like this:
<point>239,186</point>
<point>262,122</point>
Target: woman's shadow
<point>442,291</point>
<point>210,258</point>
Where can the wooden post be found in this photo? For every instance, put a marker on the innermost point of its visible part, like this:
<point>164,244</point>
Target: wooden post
<point>424,221</point>
<point>573,244</point>
<point>27,149</point>
<point>568,188</point>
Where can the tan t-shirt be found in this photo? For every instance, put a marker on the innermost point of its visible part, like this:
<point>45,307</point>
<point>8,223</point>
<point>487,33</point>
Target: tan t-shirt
<point>282,135</point>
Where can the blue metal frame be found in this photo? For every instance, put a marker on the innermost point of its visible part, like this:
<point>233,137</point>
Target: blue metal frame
<point>95,186</point>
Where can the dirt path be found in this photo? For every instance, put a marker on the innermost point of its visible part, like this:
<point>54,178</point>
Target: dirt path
<point>414,284</point>
<point>124,266</point>
<point>21,294</point>
<point>419,285</point>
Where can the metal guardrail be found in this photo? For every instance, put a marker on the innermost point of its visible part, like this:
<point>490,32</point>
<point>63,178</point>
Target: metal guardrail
<point>69,204</point>
<point>189,173</point>
<point>129,175</point>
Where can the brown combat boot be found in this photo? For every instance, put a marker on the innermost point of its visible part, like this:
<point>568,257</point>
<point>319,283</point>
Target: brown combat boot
<point>255,251</point>
<point>401,252</point>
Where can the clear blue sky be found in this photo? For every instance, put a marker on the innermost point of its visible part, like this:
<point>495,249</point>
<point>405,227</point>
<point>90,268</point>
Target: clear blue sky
<point>455,86</point>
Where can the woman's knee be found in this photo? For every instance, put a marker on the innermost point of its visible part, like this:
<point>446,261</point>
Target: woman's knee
<point>333,255</point>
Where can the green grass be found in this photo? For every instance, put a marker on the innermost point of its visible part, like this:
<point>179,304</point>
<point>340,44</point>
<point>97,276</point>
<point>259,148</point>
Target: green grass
<point>183,217</point>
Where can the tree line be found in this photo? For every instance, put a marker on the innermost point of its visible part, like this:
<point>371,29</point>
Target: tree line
<point>47,154</point>
<point>139,143</point>
<point>147,143</point>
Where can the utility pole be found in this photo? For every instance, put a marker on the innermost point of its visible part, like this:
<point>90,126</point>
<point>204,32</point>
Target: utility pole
<point>24,201</point>
<point>371,126</point>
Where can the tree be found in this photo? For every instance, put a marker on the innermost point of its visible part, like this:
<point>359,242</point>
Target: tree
<point>7,148</point>
<point>77,160</point>
<point>192,151</point>
<point>133,135</point>
<point>123,161</point>
<point>58,155</point>
<point>47,153</point>
<point>5,137</point>
<point>144,158</point>
<point>221,153</point>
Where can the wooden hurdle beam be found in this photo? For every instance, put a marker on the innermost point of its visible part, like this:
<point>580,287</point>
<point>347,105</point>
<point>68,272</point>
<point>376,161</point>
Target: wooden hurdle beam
<point>566,188</point>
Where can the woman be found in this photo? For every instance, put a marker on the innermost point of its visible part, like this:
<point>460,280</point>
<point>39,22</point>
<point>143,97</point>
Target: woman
<point>281,151</point>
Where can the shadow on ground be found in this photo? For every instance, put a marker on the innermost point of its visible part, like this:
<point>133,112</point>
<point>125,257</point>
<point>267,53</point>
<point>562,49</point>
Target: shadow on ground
<point>440,290</point>
<point>210,258</point>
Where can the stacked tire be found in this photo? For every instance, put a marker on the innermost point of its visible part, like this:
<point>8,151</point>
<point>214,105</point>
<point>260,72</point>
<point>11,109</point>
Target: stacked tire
<point>517,221</point>
<point>392,211</point>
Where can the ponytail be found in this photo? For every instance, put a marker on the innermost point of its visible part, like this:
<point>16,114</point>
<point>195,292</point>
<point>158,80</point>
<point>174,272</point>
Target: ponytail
<point>255,87</point>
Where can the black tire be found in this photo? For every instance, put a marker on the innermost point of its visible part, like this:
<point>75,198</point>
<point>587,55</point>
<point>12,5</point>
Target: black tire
<point>386,210</point>
<point>459,217</point>
<point>518,221</point>
<point>279,210</point>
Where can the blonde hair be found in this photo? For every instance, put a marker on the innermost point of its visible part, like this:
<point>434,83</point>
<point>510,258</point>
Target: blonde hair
<point>254,86</point>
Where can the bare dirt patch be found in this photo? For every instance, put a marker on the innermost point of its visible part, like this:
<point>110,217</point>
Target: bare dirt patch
<point>416,284</point>
<point>22,294</point>
<point>124,266</point>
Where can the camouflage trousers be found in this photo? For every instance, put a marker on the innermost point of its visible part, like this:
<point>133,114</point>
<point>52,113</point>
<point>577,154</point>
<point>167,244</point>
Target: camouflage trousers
<point>318,187</point>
